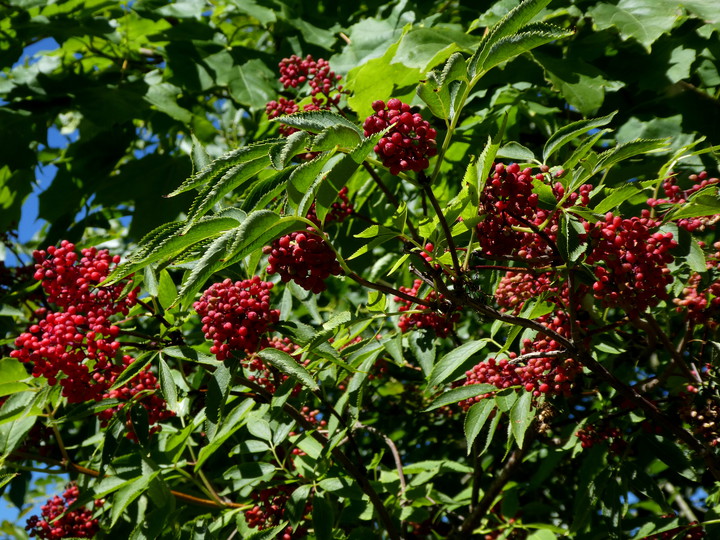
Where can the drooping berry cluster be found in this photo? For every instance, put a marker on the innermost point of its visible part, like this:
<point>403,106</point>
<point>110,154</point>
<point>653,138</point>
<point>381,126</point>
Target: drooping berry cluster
<point>303,257</point>
<point>75,346</point>
<point>267,376</point>
<point>509,207</point>
<point>236,315</point>
<point>269,510</point>
<point>441,323</point>
<point>591,435</point>
<point>630,261</point>
<point>410,141</point>
<point>56,521</point>
<point>675,196</point>
<point>515,288</point>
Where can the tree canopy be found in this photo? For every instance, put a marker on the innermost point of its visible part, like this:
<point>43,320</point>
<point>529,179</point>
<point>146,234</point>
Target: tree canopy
<point>417,269</point>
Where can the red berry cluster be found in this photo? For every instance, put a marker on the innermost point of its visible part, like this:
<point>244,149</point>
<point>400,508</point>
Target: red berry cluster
<point>703,416</point>
<point>281,107</point>
<point>508,203</point>
<point>236,315</point>
<point>591,435</point>
<point>76,344</point>
<point>339,211</point>
<point>295,71</point>
<point>440,323</point>
<point>630,261</point>
<point>515,288</point>
<point>144,384</point>
<point>269,509</point>
<point>305,258</point>
<point>691,531</point>
<point>57,522</point>
<point>324,89</point>
<point>410,141</point>
<point>674,195</point>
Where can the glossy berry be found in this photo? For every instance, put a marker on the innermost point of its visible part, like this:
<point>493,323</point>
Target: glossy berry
<point>303,257</point>
<point>409,142</point>
<point>236,315</point>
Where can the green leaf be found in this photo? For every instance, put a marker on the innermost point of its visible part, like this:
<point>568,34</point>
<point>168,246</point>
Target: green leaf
<point>475,419</point>
<point>624,151</point>
<point>236,177</point>
<point>226,161</point>
<point>643,20</point>
<point>268,534</point>
<point>336,136</point>
<point>167,384</point>
<point>252,83</point>
<point>322,517</point>
<point>613,198</point>
<point>316,121</point>
<point>281,155</point>
<point>134,368</point>
<point>11,370</point>
<point>516,151</point>
<point>127,494</point>
<point>491,431</point>
<point>521,417</point>
<point>302,179</point>
<point>169,242</point>
<point>569,244</point>
<point>505,399</point>
<point>435,95</point>
<point>514,45</point>
<point>288,365</point>
<point>459,394</point>
<point>571,131</point>
<point>510,24</point>
<point>237,418</point>
<point>455,362</point>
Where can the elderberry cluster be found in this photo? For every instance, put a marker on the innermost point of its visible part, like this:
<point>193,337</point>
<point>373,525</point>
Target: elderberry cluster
<point>56,521</point>
<point>236,315</point>
<point>269,510</point>
<point>676,196</point>
<point>305,258</point>
<point>409,142</point>
<point>702,304</point>
<point>510,207</point>
<point>591,435</point>
<point>440,323</point>
<point>339,210</point>
<point>630,261</point>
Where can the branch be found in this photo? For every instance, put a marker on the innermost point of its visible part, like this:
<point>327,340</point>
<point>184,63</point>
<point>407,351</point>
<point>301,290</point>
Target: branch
<point>425,184</point>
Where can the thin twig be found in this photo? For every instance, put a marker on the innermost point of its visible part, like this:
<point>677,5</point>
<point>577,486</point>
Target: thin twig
<point>393,450</point>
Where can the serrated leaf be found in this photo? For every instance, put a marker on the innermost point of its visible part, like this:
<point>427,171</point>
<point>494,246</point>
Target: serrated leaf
<point>628,150</point>
<point>567,133</point>
<point>282,154</point>
<point>323,518</point>
<point>509,24</point>
<point>134,368</point>
<point>506,398</point>
<point>316,121</point>
<point>475,419</point>
<point>268,534</point>
<point>491,431</point>
<point>170,242</point>
<point>200,158</point>
<point>265,191</point>
<point>223,163</point>
<point>336,136</point>
<point>459,394</point>
<point>236,177</point>
<point>302,179</point>
<point>613,198</point>
<point>288,365</point>
<point>435,96</point>
<point>258,230</point>
<point>514,45</point>
<point>454,362</point>
<point>521,417</point>
<point>236,419</point>
<point>569,244</point>
<point>127,494</point>
<point>516,151</point>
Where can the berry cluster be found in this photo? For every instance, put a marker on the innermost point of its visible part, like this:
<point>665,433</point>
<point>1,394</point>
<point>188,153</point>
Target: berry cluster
<point>676,196</point>
<point>703,415</point>
<point>439,322</point>
<point>56,521</point>
<point>339,211</point>
<point>266,376</point>
<point>691,531</point>
<point>630,261</point>
<point>269,510</point>
<point>591,435</point>
<point>509,207</point>
<point>702,305</point>
<point>515,288</point>
<point>76,344</point>
<point>305,258</point>
<point>236,315</point>
<point>324,89</point>
<point>409,142</point>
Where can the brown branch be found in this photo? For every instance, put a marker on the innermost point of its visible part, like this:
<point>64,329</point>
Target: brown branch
<point>427,188</point>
